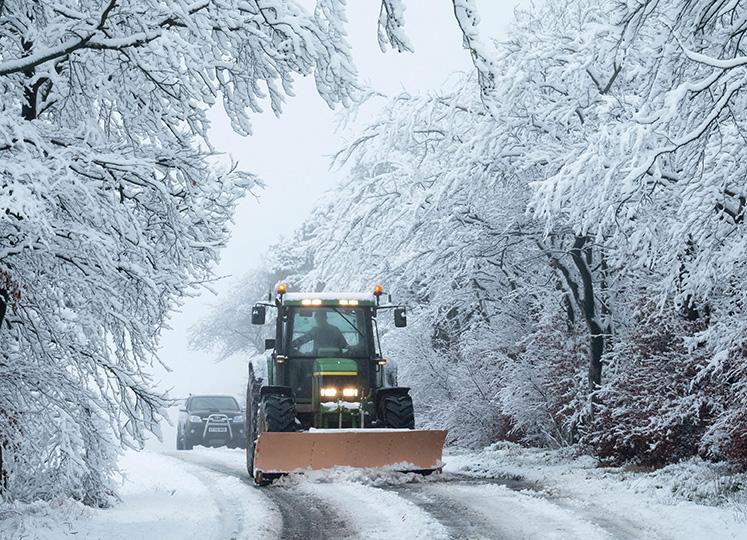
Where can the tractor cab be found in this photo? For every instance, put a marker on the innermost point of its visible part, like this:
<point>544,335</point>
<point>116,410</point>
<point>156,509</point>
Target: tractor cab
<point>326,351</point>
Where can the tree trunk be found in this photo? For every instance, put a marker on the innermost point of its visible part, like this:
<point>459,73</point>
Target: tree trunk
<point>3,477</point>
<point>581,254</point>
<point>584,298</point>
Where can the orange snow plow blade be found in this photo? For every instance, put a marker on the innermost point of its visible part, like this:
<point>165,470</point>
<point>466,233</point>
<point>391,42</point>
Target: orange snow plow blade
<point>402,450</point>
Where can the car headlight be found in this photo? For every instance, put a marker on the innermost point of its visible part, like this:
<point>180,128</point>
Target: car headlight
<point>328,392</point>
<point>194,418</point>
<point>350,392</point>
<point>238,418</point>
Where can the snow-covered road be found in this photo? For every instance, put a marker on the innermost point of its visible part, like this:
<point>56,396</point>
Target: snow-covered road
<point>206,494</point>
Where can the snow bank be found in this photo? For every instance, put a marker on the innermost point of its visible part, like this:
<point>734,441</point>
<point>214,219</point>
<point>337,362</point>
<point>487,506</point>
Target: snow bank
<point>158,497</point>
<point>693,499</point>
<point>161,498</point>
<point>368,477</point>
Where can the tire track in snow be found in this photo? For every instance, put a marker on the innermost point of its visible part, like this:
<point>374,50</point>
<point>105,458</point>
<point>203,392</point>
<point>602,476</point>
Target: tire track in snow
<point>511,514</point>
<point>330,504</point>
<point>464,520</point>
<point>231,523</point>
<point>306,516</point>
<point>475,509</point>
<point>235,511</point>
<point>620,528</point>
<point>376,513</point>
<point>459,520</point>
<point>451,506</point>
<point>302,514</point>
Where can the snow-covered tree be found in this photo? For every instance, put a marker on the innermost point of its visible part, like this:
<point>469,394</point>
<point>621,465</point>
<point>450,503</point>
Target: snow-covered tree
<point>227,329</point>
<point>454,250</point>
<point>567,227</point>
<point>112,206</point>
<point>658,181</point>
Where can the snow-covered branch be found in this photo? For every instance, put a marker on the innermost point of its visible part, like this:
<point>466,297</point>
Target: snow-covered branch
<point>113,204</point>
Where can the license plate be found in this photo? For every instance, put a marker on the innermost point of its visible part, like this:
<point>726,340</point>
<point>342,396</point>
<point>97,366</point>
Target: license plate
<point>217,430</point>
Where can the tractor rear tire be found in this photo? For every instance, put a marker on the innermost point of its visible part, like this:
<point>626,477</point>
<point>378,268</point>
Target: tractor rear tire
<point>396,412</point>
<point>253,386</point>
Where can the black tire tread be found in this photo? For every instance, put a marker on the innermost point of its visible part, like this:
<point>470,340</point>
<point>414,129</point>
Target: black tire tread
<point>397,412</point>
<point>279,412</point>
<point>250,426</point>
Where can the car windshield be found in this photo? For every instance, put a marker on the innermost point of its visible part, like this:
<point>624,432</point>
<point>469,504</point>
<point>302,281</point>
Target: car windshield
<point>326,331</point>
<point>206,403</point>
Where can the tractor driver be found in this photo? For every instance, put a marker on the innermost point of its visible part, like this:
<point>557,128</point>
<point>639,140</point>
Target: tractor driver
<point>324,335</point>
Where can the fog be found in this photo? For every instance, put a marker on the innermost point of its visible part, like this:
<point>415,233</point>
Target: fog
<point>291,155</point>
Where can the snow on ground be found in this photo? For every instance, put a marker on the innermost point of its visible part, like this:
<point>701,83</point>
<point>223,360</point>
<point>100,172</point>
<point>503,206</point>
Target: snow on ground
<point>518,515</point>
<point>388,504</point>
<point>505,491</point>
<point>381,514</point>
<point>162,498</point>
<point>367,477</point>
<point>371,512</point>
<point>691,500</point>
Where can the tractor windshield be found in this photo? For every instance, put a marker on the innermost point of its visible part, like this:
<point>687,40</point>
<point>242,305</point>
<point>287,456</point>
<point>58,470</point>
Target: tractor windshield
<point>329,332</point>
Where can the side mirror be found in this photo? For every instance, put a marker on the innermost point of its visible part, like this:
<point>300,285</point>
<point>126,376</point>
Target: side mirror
<point>269,344</point>
<point>258,314</point>
<point>400,317</point>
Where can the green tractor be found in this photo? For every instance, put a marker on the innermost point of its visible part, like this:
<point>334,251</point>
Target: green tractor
<point>327,401</point>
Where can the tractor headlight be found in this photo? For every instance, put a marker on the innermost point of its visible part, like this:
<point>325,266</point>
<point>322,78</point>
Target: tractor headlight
<point>329,392</point>
<point>350,392</point>
<point>194,418</point>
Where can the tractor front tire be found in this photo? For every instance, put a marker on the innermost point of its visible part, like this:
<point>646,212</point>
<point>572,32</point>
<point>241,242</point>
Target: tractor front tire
<point>396,411</point>
<point>276,413</point>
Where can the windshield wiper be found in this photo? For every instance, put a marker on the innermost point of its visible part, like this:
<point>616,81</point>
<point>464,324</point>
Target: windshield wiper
<point>350,323</point>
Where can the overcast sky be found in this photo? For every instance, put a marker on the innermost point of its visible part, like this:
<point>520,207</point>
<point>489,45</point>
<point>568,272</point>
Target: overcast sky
<point>291,156</point>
